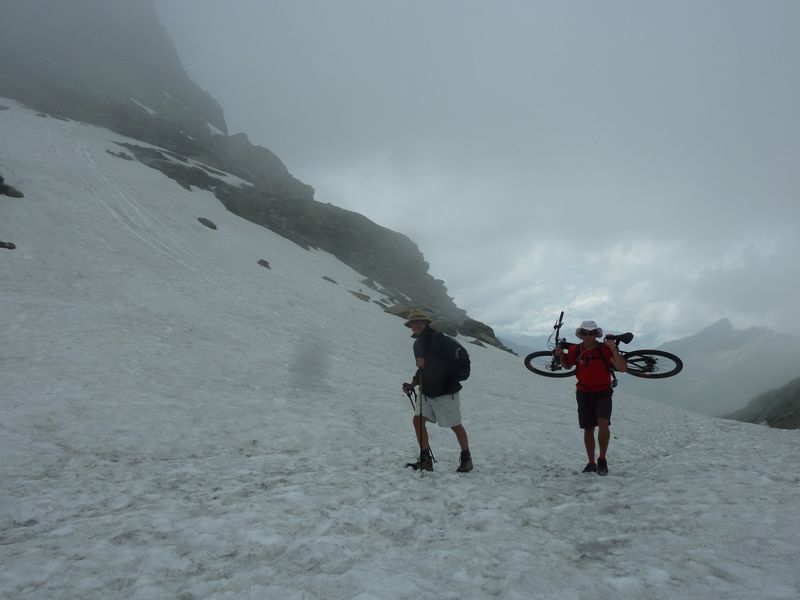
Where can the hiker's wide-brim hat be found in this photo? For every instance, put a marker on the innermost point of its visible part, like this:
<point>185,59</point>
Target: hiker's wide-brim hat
<point>589,326</point>
<point>416,315</point>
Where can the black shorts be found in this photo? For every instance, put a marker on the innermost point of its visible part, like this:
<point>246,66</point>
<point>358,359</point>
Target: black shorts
<point>592,405</point>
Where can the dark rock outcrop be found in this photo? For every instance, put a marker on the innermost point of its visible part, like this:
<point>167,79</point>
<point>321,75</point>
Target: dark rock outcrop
<point>7,190</point>
<point>121,155</point>
<point>778,408</point>
<point>259,166</point>
<point>377,252</point>
<point>208,223</point>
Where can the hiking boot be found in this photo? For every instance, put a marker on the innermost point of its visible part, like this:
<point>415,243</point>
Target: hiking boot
<point>590,468</point>
<point>602,466</point>
<point>466,462</point>
<point>425,462</point>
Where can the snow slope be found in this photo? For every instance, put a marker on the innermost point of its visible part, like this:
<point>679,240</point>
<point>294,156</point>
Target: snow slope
<point>180,422</point>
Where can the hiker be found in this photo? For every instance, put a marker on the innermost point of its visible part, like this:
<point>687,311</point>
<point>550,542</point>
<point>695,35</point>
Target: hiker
<point>593,390</point>
<point>439,385</point>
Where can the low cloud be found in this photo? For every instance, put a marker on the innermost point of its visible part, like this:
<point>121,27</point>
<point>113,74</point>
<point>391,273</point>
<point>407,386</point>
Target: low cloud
<point>543,157</point>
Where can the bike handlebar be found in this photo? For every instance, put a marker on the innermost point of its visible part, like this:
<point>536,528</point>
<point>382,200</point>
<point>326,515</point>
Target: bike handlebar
<point>623,338</point>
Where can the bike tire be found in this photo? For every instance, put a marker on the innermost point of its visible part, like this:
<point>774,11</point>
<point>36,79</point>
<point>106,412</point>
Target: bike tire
<point>652,364</point>
<point>541,364</point>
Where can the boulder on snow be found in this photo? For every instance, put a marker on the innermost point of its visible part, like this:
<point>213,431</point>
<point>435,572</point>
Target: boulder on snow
<point>121,155</point>
<point>207,222</point>
<point>360,296</point>
<point>7,190</point>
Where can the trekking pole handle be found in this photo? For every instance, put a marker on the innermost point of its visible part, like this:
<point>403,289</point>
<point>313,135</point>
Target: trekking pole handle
<point>413,403</point>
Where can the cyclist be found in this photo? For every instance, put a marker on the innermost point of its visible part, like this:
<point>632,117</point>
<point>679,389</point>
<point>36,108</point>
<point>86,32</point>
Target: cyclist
<point>593,390</point>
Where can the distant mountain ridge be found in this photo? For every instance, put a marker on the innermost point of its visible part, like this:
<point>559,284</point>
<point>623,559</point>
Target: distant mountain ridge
<point>724,368</point>
<point>524,344</point>
<point>113,64</point>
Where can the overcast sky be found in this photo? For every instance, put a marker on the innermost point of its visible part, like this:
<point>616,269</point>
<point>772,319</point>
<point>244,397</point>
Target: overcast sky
<point>634,162</point>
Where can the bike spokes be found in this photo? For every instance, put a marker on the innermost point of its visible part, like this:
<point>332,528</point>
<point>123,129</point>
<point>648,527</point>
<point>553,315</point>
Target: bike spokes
<point>653,364</point>
<point>544,363</point>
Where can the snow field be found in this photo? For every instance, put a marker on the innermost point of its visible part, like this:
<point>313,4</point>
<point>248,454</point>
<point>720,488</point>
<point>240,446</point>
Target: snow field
<point>179,422</point>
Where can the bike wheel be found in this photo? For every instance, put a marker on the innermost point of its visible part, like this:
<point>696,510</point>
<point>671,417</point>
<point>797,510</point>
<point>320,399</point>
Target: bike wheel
<point>652,364</point>
<point>541,363</point>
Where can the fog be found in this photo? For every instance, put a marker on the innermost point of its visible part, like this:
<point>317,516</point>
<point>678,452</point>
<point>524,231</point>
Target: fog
<point>635,163</point>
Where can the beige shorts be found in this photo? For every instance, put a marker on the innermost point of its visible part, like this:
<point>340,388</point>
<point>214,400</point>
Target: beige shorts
<point>445,410</point>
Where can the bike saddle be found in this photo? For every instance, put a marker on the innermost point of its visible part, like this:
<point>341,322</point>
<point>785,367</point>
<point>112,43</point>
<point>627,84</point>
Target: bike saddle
<point>624,338</point>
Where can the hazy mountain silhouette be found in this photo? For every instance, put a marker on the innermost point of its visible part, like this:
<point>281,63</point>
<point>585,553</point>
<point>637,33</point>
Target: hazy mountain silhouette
<point>724,368</point>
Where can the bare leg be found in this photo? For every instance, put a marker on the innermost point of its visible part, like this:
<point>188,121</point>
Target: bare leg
<point>461,436</point>
<point>421,431</point>
<point>588,441</point>
<point>603,436</point>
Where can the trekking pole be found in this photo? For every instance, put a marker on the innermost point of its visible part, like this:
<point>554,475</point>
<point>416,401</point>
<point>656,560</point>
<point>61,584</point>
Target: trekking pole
<point>414,403</point>
<point>419,420</point>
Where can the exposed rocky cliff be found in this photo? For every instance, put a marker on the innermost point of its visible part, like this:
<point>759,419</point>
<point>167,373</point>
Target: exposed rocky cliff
<point>111,63</point>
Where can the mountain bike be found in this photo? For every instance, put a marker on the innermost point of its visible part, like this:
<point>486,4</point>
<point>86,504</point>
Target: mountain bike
<point>649,364</point>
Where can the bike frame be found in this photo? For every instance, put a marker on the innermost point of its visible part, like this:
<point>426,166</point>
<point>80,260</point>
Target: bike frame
<point>560,341</point>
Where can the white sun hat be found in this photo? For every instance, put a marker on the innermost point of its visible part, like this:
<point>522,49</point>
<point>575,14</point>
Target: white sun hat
<point>589,326</point>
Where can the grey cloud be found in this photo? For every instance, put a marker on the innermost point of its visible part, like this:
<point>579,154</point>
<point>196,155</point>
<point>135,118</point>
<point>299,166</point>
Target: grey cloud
<point>759,284</point>
<point>603,156</point>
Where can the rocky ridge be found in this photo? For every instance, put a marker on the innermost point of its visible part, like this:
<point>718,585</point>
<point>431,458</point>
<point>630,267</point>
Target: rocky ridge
<point>112,64</point>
